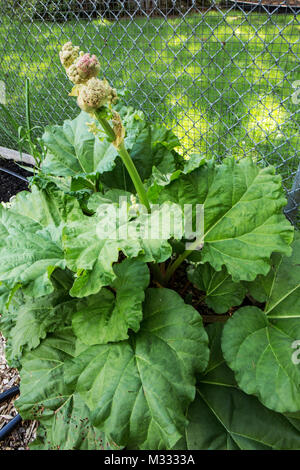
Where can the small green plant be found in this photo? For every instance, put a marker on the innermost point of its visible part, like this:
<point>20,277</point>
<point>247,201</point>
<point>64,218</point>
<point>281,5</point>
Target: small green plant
<point>160,341</point>
<point>24,135</point>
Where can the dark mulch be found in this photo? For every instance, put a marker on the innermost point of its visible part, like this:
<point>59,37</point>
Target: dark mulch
<point>10,185</point>
<point>191,295</point>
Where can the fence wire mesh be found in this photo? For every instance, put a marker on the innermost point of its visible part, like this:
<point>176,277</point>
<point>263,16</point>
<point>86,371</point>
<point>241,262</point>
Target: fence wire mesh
<point>224,76</point>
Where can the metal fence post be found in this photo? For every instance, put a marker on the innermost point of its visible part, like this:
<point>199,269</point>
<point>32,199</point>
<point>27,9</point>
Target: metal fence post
<point>292,208</point>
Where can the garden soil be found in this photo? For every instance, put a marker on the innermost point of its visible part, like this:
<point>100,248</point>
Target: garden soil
<point>10,185</point>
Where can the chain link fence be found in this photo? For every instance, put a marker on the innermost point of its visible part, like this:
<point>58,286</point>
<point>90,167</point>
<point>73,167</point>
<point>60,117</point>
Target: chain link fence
<point>225,76</point>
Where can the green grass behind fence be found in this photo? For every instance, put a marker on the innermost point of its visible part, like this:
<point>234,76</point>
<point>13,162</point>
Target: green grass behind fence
<point>223,82</point>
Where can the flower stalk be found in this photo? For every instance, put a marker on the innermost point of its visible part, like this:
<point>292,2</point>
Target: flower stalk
<point>93,95</point>
<point>173,266</point>
<point>196,245</point>
<point>127,160</point>
<point>134,175</point>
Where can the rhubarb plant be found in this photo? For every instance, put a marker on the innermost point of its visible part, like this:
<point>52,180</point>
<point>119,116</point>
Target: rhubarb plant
<point>130,328</point>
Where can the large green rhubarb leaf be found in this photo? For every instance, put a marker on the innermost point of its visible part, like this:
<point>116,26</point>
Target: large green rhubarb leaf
<point>69,428</point>
<point>73,150</point>
<point>139,390</point>
<point>64,417</point>
<point>43,390</point>
<point>92,245</point>
<point>30,238</point>
<point>280,289</point>
<point>49,206</point>
<point>159,179</point>
<point>29,252</point>
<point>222,417</point>
<point>107,317</point>
<point>221,292</point>
<point>34,318</point>
<point>243,216</point>
<point>284,297</point>
<point>4,297</point>
<point>260,352</point>
<point>269,337</point>
<point>12,300</point>
<point>149,145</point>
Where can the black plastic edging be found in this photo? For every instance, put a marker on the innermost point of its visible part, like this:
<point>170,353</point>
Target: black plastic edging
<point>12,173</point>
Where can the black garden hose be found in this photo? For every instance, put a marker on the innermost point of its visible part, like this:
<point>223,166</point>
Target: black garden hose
<point>10,426</point>
<point>9,394</point>
<point>13,174</point>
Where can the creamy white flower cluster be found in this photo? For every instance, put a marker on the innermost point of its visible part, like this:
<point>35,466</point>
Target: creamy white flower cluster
<point>82,69</point>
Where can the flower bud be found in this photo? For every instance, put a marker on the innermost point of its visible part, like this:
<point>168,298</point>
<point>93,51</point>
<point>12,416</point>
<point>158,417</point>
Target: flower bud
<point>113,97</point>
<point>118,128</point>
<point>84,68</point>
<point>92,128</point>
<point>94,94</point>
<point>87,66</point>
<point>68,54</point>
<point>73,75</point>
